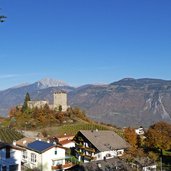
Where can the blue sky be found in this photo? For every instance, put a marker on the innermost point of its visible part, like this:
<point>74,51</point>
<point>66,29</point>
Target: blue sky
<point>84,41</point>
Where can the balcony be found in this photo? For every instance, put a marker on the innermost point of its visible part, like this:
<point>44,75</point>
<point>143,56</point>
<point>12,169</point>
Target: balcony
<point>89,157</point>
<point>65,166</point>
<point>89,149</point>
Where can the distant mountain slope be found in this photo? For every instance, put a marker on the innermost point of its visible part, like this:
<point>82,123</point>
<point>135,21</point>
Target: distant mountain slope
<point>48,82</point>
<point>15,96</point>
<point>128,102</point>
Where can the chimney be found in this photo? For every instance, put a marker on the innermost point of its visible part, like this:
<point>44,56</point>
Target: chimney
<point>99,165</point>
<point>14,143</point>
<point>24,142</point>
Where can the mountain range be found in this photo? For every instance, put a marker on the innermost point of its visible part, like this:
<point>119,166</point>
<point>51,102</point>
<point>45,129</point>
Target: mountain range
<point>128,102</point>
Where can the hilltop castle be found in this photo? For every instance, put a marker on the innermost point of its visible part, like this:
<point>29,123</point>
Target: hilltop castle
<point>59,99</point>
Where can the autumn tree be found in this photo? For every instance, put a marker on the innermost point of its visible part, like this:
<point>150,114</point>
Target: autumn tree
<point>159,136</point>
<point>131,136</point>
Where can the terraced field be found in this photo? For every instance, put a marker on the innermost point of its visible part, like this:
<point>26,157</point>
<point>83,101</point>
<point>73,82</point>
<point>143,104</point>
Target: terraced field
<point>9,135</point>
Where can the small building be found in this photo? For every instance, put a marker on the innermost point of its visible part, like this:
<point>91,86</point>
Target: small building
<point>98,145</point>
<point>10,157</point>
<point>44,156</point>
<point>38,104</point>
<point>68,143</point>
<point>140,131</point>
<point>65,141</point>
<point>144,164</point>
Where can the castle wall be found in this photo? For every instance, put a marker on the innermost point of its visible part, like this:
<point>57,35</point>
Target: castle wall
<point>60,99</point>
<point>38,104</point>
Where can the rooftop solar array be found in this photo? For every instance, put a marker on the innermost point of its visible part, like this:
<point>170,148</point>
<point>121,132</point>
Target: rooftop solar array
<point>39,146</point>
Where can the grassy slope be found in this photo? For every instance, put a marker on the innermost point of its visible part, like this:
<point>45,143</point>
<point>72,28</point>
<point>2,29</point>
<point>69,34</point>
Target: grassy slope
<point>72,129</point>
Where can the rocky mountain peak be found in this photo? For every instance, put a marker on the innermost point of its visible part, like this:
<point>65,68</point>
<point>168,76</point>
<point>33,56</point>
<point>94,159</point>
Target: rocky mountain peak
<point>49,82</point>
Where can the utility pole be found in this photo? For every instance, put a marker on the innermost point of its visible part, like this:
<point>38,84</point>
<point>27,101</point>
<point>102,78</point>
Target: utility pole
<point>161,163</point>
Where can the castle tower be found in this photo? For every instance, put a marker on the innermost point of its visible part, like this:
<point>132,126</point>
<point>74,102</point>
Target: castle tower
<point>60,99</point>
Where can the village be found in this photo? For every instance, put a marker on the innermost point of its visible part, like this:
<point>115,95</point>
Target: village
<point>85,85</point>
<point>91,149</point>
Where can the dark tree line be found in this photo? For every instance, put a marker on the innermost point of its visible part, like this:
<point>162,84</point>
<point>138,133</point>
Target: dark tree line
<point>2,18</point>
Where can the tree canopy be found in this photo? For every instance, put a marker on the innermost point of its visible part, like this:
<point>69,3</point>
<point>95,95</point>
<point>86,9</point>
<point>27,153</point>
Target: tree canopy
<point>2,18</point>
<point>25,105</point>
<point>159,136</point>
<point>131,136</point>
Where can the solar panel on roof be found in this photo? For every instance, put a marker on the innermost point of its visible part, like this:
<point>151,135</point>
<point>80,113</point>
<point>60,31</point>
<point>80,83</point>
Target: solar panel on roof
<point>39,145</point>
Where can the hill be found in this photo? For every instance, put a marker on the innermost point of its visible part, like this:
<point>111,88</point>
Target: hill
<point>128,102</point>
<point>40,90</point>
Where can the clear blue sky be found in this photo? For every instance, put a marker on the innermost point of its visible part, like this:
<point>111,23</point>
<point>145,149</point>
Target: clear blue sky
<point>84,41</point>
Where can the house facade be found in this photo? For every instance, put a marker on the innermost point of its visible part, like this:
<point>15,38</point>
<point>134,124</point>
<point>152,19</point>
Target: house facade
<point>140,131</point>
<point>44,156</point>
<point>144,164</point>
<point>98,145</point>
<point>10,157</point>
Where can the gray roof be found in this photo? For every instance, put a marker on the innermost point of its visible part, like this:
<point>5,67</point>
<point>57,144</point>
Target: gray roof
<point>105,140</point>
<point>144,161</point>
<point>103,165</point>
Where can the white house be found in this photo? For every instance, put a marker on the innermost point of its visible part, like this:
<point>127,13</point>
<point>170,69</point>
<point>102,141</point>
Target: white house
<point>139,131</point>
<point>98,145</point>
<point>144,164</point>
<point>67,143</point>
<point>44,156</point>
<point>10,157</point>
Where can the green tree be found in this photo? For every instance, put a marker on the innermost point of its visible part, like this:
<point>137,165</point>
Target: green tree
<point>60,108</point>
<point>25,104</point>
<point>2,18</point>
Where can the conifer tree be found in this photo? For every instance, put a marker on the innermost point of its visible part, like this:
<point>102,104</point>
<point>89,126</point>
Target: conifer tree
<point>25,105</point>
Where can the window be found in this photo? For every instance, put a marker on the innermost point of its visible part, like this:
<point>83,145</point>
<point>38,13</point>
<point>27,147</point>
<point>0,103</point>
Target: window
<point>108,155</point>
<point>119,152</point>
<point>24,154</point>
<point>55,152</point>
<point>13,167</point>
<point>33,157</point>
<point>7,152</point>
<point>4,168</point>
